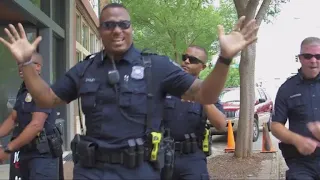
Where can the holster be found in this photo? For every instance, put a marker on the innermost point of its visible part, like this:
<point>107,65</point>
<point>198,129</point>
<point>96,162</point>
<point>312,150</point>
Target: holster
<point>155,152</point>
<point>83,152</point>
<point>42,143</point>
<point>86,151</point>
<point>169,149</point>
<point>55,143</point>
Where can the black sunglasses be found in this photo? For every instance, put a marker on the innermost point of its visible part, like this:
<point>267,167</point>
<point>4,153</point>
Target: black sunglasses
<point>111,25</point>
<point>192,59</point>
<point>309,56</point>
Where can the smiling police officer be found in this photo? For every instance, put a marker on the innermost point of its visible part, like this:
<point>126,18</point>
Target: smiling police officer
<point>297,101</point>
<point>121,95</point>
<point>187,124</point>
<point>34,134</point>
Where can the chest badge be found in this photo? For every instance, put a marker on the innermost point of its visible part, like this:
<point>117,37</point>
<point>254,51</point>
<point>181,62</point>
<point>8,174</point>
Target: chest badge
<point>137,72</point>
<point>28,97</point>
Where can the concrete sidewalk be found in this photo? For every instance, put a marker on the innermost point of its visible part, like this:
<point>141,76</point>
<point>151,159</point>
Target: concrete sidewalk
<point>274,168</point>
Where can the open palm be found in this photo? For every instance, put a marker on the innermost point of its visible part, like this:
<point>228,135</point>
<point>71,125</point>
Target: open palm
<point>237,40</point>
<point>19,45</point>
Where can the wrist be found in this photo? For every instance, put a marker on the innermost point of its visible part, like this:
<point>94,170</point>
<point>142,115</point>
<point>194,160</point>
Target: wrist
<point>224,60</point>
<point>7,149</point>
<point>295,139</point>
<point>26,63</point>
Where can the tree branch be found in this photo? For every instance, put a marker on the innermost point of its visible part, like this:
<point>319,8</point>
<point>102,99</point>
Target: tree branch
<point>194,39</point>
<point>262,11</point>
<point>251,9</point>
<point>240,6</point>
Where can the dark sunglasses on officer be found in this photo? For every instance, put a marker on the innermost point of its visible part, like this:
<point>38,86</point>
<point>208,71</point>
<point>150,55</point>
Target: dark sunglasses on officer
<point>192,59</point>
<point>111,25</point>
<point>309,56</point>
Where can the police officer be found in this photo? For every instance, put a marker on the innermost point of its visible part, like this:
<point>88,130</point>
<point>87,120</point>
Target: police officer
<point>116,87</point>
<point>187,123</point>
<point>31,124</point>
<point>298,101</point>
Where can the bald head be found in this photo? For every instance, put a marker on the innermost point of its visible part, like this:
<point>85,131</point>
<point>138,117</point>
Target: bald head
<point>37,58</point>
<point>37,61</point>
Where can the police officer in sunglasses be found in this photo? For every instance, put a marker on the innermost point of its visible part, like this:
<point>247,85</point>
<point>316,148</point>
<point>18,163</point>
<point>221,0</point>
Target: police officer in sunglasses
<point>298,101</point>
<point>187,122</point>
<point>122,94</point>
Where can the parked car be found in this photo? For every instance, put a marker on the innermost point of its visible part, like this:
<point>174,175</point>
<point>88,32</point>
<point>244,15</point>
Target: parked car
<point>230,99</point>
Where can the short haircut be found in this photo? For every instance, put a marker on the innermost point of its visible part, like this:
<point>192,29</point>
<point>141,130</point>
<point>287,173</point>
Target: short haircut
<point>200,48</point>
<point>310,41</point>
<point>112,5</point>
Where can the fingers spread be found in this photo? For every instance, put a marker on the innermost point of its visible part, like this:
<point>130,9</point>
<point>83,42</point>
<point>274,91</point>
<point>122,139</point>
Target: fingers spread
<point>238,25</point>
<point>14,32</point>
<point>6,43</point>
<point>251,36</point>
<point>11,38</point>
<point>22,32</point>
<point>248,27</point>
<point>36,42</point>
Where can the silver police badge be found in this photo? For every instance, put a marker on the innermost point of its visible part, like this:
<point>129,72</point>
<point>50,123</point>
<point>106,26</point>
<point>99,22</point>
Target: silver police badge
<point>28,98</point>
<point>137,72</point>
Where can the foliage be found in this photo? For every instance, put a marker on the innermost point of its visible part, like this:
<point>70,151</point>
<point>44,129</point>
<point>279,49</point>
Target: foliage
<point>169,26</point>
<point>233,79</point>
<point>274,10</point>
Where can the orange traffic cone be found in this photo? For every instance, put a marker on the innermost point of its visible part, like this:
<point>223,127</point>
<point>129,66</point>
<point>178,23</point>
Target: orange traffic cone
<point>231,144</point>
<point>266,141</point>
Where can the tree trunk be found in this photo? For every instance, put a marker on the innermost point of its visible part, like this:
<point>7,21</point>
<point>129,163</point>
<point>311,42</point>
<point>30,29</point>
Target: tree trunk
<point>247,96</point>
<point>247,73</point>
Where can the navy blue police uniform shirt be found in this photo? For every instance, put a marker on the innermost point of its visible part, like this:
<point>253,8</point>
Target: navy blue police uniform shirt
<point>25,107</point>
<point>298,100</point>
<point>105,124</point>
<point>185,117</point>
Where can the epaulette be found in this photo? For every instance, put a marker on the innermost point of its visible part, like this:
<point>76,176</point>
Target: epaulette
<point>89,57</point>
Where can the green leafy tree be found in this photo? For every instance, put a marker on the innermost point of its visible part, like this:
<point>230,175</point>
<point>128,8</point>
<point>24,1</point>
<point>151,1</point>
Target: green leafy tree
<point>170,26</point>
<point>233,79</point>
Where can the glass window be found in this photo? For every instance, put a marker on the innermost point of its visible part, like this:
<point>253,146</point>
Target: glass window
<point>98,46</point>
<point>58,12</point>
<point>79,58</point>
<point>36,3</point>
<point>230,96</point>
<point>85,36</point>
<point>92,43</point>
<point>10,80</point>
<point>78,29</point>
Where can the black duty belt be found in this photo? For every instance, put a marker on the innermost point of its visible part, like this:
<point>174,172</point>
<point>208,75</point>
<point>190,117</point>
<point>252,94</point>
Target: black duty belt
<point>186,147</point>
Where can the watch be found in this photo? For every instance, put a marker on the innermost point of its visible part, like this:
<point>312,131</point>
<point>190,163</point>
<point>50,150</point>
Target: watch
<point>7,150</point>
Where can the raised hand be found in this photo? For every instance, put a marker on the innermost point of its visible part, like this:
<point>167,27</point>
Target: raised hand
<point>19,45</point>
<point>238,39</point>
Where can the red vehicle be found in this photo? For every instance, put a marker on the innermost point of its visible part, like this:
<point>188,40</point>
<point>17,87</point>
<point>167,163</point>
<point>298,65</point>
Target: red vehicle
<point>230,99</point>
